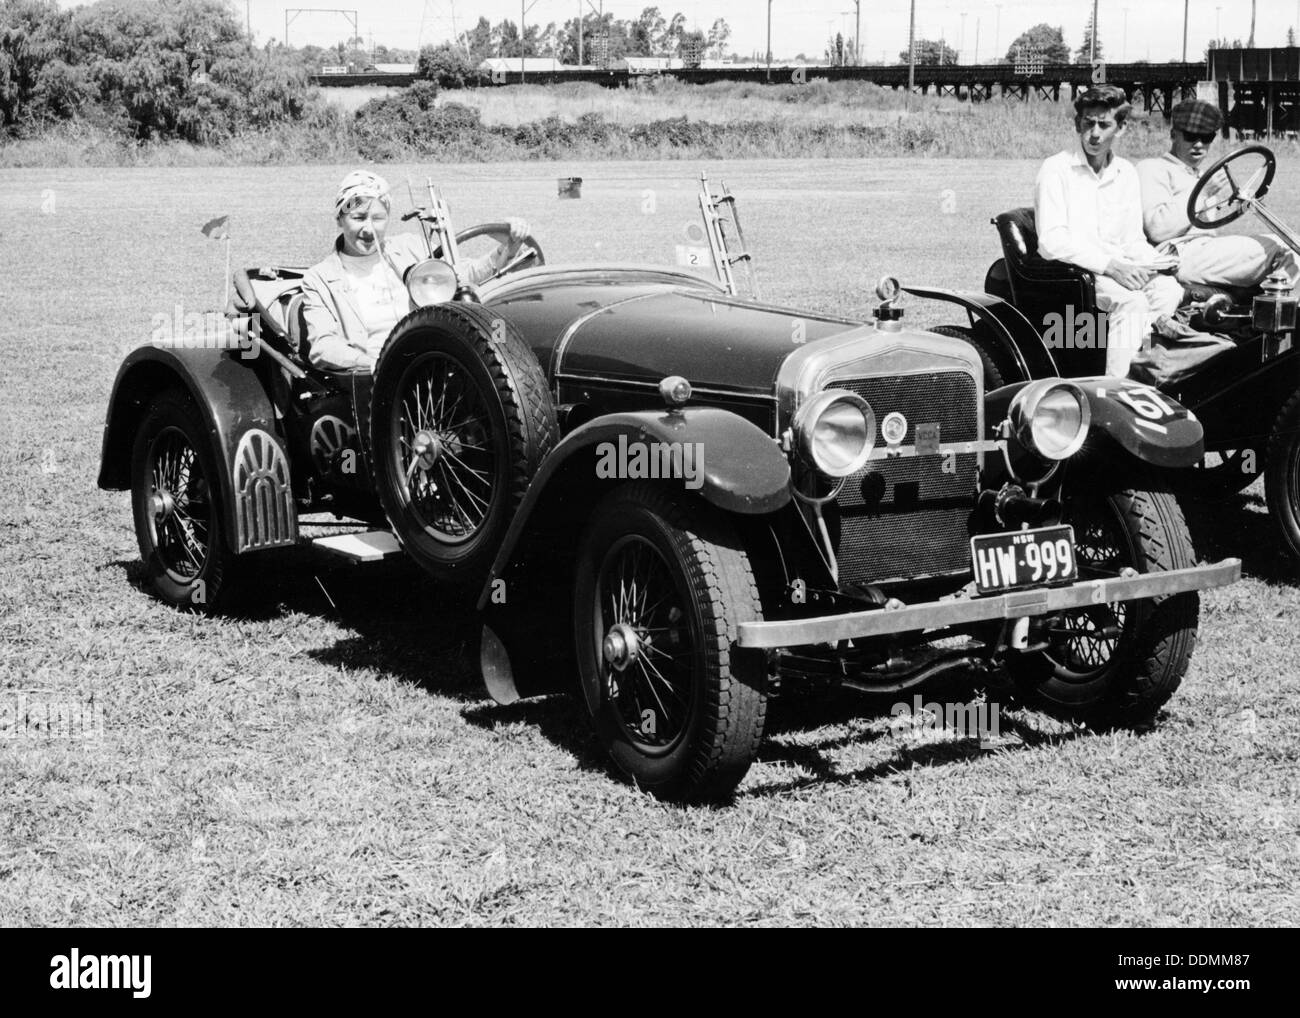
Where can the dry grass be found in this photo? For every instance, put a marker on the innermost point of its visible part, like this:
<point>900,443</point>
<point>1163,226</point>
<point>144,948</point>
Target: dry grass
<point>730,120</point>
<point>331,760</point>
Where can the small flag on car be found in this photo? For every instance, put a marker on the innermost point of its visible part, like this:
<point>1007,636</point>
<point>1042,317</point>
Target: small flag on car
<point>217,229</point>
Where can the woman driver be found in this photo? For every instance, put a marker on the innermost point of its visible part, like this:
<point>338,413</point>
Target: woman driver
<point>354,297</point>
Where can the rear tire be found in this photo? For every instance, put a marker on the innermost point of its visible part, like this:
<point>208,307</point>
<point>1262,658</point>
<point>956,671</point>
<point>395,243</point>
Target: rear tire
<point>661,585</point>
<point>1117,664</point>
<point>180,521</point>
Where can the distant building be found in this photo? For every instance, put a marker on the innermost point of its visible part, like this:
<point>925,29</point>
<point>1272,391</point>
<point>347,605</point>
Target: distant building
<point>394,68</point>
<point>648,65</point>
<point>531,65</point>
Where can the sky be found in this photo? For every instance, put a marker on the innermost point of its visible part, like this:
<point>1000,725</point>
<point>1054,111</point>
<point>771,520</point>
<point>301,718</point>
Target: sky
<point>1129,29</point>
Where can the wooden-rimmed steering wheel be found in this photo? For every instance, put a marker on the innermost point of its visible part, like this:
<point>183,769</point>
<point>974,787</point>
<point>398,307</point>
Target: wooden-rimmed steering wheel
<point>1222,196</point>
<point>529,255</point>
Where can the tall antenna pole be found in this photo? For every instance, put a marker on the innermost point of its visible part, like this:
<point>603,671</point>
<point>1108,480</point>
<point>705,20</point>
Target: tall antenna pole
<point>1092,36</point>
<point>911,56</point>
<point>1185,3</point>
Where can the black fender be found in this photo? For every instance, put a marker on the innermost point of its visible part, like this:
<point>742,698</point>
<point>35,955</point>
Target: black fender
<point>1141,420</point>
<point>1011,330</point>
<point>241,423</point>
<point>733,464</point>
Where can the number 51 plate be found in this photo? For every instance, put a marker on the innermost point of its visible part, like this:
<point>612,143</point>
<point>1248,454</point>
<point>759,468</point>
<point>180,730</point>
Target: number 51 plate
<point>1023,558</point>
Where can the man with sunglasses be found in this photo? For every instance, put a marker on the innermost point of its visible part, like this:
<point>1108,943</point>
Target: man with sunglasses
<point>1088,212</point>
<point>1204,258</point>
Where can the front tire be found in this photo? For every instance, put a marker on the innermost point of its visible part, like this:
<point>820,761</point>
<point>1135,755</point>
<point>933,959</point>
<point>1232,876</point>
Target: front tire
<point>180,522</point>
<point>661,585</point>
<point>1282,475</point>
<point>1117,664</point>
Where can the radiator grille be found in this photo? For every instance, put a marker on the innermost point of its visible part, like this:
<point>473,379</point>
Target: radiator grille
<point>904,517</point>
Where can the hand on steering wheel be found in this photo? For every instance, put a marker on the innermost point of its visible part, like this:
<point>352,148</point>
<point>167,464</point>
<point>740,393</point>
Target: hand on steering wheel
<point>528,253</point>
<point>1222,195</point>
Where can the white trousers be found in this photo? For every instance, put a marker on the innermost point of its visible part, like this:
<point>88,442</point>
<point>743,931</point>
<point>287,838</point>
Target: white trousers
<point>1233,261</point>
<point>1130,315</point>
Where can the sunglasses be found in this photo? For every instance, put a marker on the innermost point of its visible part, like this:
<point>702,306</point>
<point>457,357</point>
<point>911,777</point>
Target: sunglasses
<point>1204,139</point>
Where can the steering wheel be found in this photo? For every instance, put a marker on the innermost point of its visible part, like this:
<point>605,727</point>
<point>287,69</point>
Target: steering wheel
<point>1221,196</point>
<point>529,250</point>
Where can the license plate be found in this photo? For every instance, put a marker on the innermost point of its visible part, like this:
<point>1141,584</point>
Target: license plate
<point>1023,558</point>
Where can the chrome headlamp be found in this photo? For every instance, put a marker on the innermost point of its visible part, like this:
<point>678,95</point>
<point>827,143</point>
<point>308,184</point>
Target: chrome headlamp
<point>1050,418</point>
<point>432,281</point>
<point>835,432</point>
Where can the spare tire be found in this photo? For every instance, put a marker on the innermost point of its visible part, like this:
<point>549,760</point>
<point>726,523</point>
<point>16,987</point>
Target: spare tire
<point>460,420</point>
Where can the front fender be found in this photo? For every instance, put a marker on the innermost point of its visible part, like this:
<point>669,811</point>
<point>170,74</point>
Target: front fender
<point>1143,421</point>
<point>1014,334</point>
<point>731,463</point>
<point>240,421</point>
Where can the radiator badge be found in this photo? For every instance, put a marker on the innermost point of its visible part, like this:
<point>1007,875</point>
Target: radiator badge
<point>894,428</point>
<point>927,439</point>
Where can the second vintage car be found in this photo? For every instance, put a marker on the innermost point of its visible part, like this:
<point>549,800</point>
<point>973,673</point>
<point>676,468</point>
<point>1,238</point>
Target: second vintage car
<point>683,500</point>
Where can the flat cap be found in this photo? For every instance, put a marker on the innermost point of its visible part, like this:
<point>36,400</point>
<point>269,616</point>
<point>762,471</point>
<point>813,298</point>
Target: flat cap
<point>1197,117</point>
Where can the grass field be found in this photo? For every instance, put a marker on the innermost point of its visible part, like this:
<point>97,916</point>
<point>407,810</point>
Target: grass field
<point>329,758</point>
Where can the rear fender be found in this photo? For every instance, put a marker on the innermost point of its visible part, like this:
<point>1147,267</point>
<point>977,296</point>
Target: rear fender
<point>730,462</point>
<point>1011,330</point>
<point>240,421</point>
<point>1143,421</point>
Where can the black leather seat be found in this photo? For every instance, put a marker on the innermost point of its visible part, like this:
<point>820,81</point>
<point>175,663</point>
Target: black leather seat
<point>1041,288</point>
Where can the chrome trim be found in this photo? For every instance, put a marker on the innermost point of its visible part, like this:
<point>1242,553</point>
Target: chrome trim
<point>1015,605</point>
<point>749,395</point>
<point>958,448</point>
<point>563,275</point>
<point>557,351</point>
<point>852,355</point>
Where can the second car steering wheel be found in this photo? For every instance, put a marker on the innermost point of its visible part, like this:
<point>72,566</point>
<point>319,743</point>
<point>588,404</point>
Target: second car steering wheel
<point>1235,203</point>
<point>500,232</point>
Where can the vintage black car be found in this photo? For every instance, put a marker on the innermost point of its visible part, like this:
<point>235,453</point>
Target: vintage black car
<point>1247,398</point>
<point>686,498</point>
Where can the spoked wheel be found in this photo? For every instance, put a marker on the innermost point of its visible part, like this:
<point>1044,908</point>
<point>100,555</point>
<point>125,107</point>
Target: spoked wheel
<point>1282,475</point>
<point>179,522</point>
<point>661,585</point>
<point>445,448</point>
<point>1117,663</point>
<point>460,420</point>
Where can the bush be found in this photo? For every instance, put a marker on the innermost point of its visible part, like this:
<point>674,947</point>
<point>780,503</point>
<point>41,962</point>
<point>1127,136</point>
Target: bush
<point>446,65</point>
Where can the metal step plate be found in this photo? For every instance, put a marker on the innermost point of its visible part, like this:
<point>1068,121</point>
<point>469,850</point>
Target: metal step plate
<point>367,546</point>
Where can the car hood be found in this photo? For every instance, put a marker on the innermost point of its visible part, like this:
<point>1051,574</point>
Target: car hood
<point>714,341</point>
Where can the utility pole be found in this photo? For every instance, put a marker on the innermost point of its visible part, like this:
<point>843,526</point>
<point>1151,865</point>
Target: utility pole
<point>1123,56</point>
<point>1185,4</point>
<point>524,8</point>
<point>977,40</point>
<point>857,33</point>
<point>1092,36</point>
<point>769,41</point>
<point>911,55</point>
<point>997,34</point>
<point>961,39</point>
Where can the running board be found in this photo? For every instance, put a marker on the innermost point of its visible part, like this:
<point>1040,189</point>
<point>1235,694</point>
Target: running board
<point>365,546</point>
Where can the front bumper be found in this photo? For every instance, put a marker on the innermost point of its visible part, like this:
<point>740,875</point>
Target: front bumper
<point>1016,605</point>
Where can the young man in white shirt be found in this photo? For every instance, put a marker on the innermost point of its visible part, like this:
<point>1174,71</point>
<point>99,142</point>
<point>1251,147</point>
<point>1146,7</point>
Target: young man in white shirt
<point>1088,211</point>
<point>1204,257</point>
